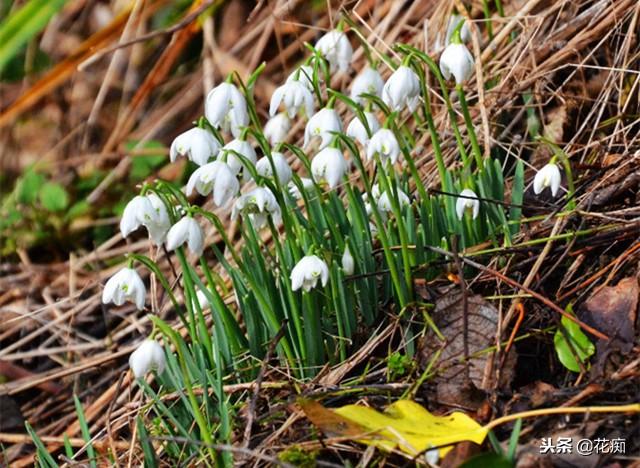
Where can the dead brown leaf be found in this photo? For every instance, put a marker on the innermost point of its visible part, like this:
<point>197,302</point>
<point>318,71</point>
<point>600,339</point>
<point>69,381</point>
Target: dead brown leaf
<point>454,386</point>
<point>612,310</point>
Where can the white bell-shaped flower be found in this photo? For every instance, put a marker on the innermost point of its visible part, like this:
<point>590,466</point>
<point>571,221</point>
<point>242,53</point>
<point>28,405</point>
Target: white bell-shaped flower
<point>304,75</point>
<point>148,211</point>
<point>324,124</point>
<point>277,128</point>
<point>215,176</point>
<point>402,89</point>
<point>295,96</point>
<point>464,204</point>
<point>385,145</point>
<point>283,170</point>
<point>226,107</point>
<point>384,202</point>
<point>197,144</point>
<point>307,272</point>
<point>336,49</point>
<point>203,302</point>
<point>188,231</point>
<point>457,61</point>
<point>329,165</point>
<point>348,264</point>
<point>549,176</point>
<point>294,191</point>
<point>147,357</point>
<point>465,32</point>
<point>242,147</point>
<point>125,285</point>
<point>258,204</point>
<point>369,81</point>
<point>357,130</point>
<point>136,213</point>
<point>159,226</point>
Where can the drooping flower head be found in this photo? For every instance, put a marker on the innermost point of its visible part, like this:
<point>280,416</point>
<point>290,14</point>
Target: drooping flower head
<point>385,145</point>
<point>258,204</point>
<point>456,61</point>
<point>215,176</point>
<point>283,170</point>
<point>235,163</point>
<point>402,89</point>
<point>329,165</point>
<point>147,357</point>
<point>547,177</point>
<point>467,204</point>
<point>348,264</point>
<point>369,81</point>
<point>307,272</point>
<point>188,231</point>
<point>335,47</point>
<point>277,128</point>
<point>323,124</point>
<point>226,108</point>
<point>357,130</point>
<point>148,211</point>
<point>197,144</point>
<point>295,96</point>
<point>125,285</point>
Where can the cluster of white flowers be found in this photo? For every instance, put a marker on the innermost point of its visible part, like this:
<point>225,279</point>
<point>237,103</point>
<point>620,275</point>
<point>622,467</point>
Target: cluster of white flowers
<point>225,168</point>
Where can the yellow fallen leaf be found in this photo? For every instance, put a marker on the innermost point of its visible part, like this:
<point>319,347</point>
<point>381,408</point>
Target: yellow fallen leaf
<point>407,426</point>
<point>404,425</point>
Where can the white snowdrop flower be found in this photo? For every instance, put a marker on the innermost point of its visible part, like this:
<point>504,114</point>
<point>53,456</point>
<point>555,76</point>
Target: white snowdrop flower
<point>402,89</point>
<point>548,176</point>
<point>357,130</point>
<point>277,128</point>
<point>465,32</point>
<point>294,95</point>
<point>136,213</point>
<point>304,75</point>
<point>307,272</point>
<point>384,202</point>
<point>336,49</point>
<point>159,226</point>
<point>147,357</point>
<point>385,145</point>
<point>283,171</point>
<point>307,184</point>
<point>329,165</point>
<point>369,81</point>
<point>203,302</point>
<point>215,176</point>
<point>243,148</point>
<point>258,204</point>
<point>457,61</point>
<point>188,231</point>
<point>197,144</point>
<point>125,285</point>
<point>148,211</point>
<point>324,124</point>
<point>464,204</point>
<point>226,107</point>
<point>348,264</point>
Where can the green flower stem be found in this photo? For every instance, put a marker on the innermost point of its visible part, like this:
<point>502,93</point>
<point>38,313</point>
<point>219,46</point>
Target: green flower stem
<point>399,286</point>
<point>190,300</point>
<point>295,312</point>
<point>445,94</point>
<point>402,230</point>
<point>475,147</point>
